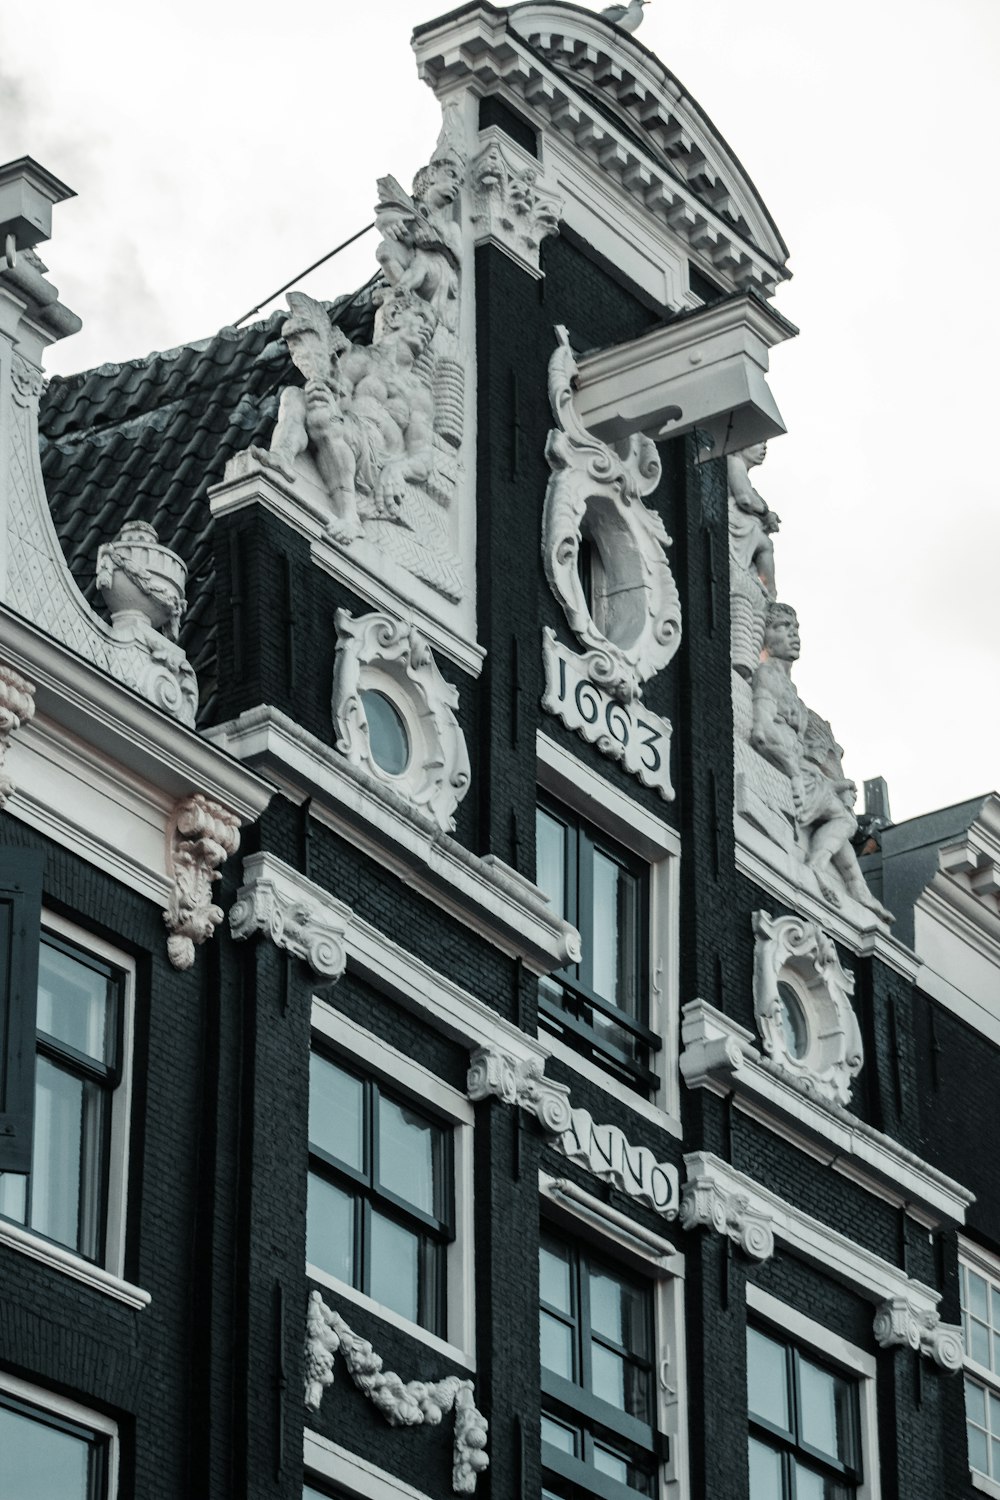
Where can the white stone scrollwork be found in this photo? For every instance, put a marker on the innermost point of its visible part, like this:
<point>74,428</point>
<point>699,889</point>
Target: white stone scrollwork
<point>17,707</point>
<point>802,1000</point>
<point>411,1404</point>
<point>297,917</point>
<point>630,625</point>
<point>511,205</point>
<point>899,1322</point>
<point>381,657</point>
<point>707,1205</point>
<point>201,836</point>
<point>521,1082</point>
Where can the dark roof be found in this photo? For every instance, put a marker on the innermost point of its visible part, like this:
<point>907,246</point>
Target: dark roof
<point>147,439</point>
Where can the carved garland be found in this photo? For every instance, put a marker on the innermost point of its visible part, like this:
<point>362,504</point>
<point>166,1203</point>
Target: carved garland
<point>411,1404</point>
<point>17,707</point>
<point>378,653</point>
<point>796,965</point>
<point>201,836</point>
<point>595,495</point>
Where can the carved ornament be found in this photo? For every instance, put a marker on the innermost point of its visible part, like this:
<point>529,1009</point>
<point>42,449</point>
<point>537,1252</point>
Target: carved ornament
<point>751,559</point>
<point>511,205</point>
<point>496,1075</point>
<point>201,836</point>
<point>414,1403</point>
<point>630,625</point>
<point>899,1321</point>
<point>705,1204</point>
<point>796,969</point>
<point>17,707</point>
<point>378,654</point>
<point>297,917</point>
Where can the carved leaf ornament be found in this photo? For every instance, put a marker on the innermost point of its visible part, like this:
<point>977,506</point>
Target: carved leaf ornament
<point>630,628</point>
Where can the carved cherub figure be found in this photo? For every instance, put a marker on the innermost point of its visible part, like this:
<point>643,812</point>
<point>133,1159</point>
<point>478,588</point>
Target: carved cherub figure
<point>420,248</point>
<point>751,522</point>
<point>801,744</point>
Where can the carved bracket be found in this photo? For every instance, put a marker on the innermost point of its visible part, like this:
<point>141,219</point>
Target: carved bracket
<point>899,1322</point>
<point>296,915</point>
<point>17,707</point>
<point>519,1081</point>
<point>706,1205</point>
<point>511,205</point>
<point>412,1404</point>
<point>201,835</point>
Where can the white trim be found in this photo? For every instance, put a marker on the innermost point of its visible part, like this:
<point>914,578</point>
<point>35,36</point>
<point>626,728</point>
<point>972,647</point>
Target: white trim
<point>327,1460</point>
<point>632,1242</point>
<point>984,1484</point>
<point>70,1411</point>
<point>60,1259</point>
<point>789,1322</point>
<point>386,1062</point>
<point>720,1055</point>
<point>368,1304</point>
<point>586,792</point>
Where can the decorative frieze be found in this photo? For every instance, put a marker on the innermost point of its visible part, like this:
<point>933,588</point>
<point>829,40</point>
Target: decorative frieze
<point>17,707</point>
<point>201,836</point>
<point>707,1205</point>
<point>413,1403</point>
<point>297,916</point>
<point>899,1323</point>
<point>511,204</point>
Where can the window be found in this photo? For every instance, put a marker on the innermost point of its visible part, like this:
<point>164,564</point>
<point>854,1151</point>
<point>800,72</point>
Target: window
<point>75,1171</point>
<point>51,1446</point>
<point>600,1005</point>
<point>598,1390</point>
<point>980,1296</point>
<point>805,1433</point>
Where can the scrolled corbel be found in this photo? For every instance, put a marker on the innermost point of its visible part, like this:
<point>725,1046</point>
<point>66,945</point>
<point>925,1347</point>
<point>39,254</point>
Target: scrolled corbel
<point>900,1323</point>
<point>521,1082</point>
<point>17,707</point>
<point>201,836</point>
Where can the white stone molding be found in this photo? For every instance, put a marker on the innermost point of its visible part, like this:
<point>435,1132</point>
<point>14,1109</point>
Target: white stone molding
<point>720,1055</point>
<point>297,915</point>
<point>752,524</point>
<point>625,732</point>
<point>795,952</point>
<point>706,1205</point>
<point>411,1404</point>
<point>378,653</point>
<point>818,1245</point>
<point>633,1240</point>
<point>631,628</point>
<point>484,893</point>
<point>898,1323</point>
<point>603,1150</point>
<point>201,836</point>
<point>17,707</point>
<point>512,205</point>
<point>35,580</point>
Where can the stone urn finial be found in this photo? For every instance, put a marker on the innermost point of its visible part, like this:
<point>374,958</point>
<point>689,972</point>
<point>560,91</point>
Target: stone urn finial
<point>137,575</point>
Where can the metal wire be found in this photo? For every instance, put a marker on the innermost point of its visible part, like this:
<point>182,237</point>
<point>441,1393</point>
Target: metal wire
<point>316,263</point>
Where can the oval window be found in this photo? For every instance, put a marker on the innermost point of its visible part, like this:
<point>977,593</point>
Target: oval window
<point>387,736</point>
<point>793,1021</point>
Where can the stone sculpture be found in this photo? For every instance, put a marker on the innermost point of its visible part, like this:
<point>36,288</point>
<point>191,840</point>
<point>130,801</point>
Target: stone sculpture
<point>801,745</point>
<point>201,836</point>
<point>751,558</point>
<point>383,423</point>
<point>17,707</point>
<point>512,205</point>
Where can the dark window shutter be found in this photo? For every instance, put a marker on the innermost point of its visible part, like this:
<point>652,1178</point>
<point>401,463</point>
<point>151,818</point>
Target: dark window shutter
<point>20,921</point>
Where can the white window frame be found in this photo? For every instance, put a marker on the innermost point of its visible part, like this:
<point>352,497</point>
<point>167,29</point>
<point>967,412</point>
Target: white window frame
<point>70,1411</point>
<point>792,1326</point>
<point>109,1277</point>
<point>584,791</point>
<point>385,1062</point>
<point>326,1462</point>
<point>988,1266</point>
<point>569,1207</point>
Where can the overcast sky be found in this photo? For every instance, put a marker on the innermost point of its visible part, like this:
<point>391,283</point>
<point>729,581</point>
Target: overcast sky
<point>219,147</point>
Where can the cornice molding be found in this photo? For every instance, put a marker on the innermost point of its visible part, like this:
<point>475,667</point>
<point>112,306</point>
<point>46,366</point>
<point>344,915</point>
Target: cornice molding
<point>720,1055</point>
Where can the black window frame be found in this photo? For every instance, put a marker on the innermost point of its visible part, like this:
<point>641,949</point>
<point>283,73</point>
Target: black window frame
<point>572,1403</point>
<point>788,1442</point>
<point>436,1234</point>
<point>99,1443</point>
<point>567,1014</point>
<point>20,927</point>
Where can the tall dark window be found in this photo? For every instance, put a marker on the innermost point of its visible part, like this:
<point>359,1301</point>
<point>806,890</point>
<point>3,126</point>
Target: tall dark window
<point>804,1425</point>
<point>598,1394</point>
<point>77,1069</point>
<point>600,1006</point>
<point>44,1455</point>
<point>380,1192</point>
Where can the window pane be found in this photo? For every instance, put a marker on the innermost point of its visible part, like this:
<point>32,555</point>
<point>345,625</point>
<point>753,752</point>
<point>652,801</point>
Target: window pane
<point>605,929</point>
<point>978,1450</point>
<point>550,860</point>
<point>57,1152</point>
<point>395,1267</point>
<point>765,1473</point>
<point>387,737</point>
<point>330,1230</point>
<point>561,1437</point>
<point>619,1311</point>
<point>409,1153</point>
<point>336,1112</point>
<point>41,1462</point>
<point>74,1003</point>
<point>555,1275</point>
<point>977,1296</point>
<point>13,1196</point>
<point>607,1462</point>
<point>812,1486</point>
<point>607,1375</point>
<point>557,1347</point>
<point>826,1411</point>
<point>975,1402</point>
<point>979,1343</point>
<point>767,1380</point>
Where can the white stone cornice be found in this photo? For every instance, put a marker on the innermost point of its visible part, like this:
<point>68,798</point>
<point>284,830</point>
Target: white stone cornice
<point>899,1323</point>
<point>482,892</point>
<point>720,1055</point>
<point>295,913</point>
<point>712,1181</point>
